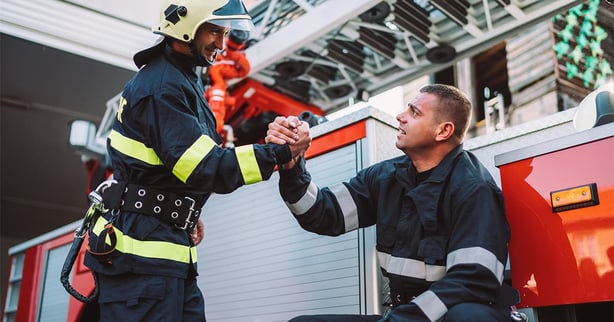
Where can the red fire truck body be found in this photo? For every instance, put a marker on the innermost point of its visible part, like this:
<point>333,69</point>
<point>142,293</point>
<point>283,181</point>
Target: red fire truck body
<point>35,267</point>
<point>559,198</point>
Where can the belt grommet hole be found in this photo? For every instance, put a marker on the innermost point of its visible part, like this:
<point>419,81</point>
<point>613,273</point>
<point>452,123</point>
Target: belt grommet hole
<point>141,192</point>
<point>174,215</point>
<point>157,209</point>
<point>178,202</point>
<point>160,197</point>
<point>138,205</point>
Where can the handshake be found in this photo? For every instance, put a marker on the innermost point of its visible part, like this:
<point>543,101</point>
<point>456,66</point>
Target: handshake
<point>292,131</point>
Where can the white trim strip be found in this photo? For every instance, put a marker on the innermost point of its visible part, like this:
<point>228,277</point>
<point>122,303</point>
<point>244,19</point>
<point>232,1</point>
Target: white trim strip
<point>431,305</point>
<point>306,202</point>
<point>411,267</point>
<point>347,205</point>
<point>477,255</point>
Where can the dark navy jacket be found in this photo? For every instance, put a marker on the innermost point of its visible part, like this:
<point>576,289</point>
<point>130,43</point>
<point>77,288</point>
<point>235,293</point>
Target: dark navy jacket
<point>442,241</point>
<point>164,137</point>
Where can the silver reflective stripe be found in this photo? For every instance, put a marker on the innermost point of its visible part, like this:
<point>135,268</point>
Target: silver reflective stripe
<point>347,205</point>
<point>306,202</point>
<point>411,267</point>
<point>431,305</point>
<point>477,255</point>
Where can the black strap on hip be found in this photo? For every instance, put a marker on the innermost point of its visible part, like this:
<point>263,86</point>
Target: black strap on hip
<point>101,250</point>
<point>183,211</point>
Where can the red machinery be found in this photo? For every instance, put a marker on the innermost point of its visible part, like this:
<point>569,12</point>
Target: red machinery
<point>244,110</point>
<point>230,64</point>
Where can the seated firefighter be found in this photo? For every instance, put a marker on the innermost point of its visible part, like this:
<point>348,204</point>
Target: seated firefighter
<point>442,233</point>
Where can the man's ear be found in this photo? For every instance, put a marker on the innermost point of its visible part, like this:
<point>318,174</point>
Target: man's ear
<point>445,131</point>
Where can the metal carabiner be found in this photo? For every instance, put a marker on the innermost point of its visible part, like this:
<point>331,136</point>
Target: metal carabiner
<point>95,196</point>
<point>96,204</point>
<point>515,315</point>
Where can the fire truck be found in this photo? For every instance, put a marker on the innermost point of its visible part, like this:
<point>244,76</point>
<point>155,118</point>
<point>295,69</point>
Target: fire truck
<point>257,264</point>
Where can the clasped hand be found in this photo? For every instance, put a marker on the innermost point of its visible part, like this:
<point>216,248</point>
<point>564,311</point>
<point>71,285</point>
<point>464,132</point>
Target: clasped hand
<point>292,131</point>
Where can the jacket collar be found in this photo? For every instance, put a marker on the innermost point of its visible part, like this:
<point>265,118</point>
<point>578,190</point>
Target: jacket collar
<point>405,171</point>
<point>184,63</point>
<point>426,196</point>
<point>443,169</point>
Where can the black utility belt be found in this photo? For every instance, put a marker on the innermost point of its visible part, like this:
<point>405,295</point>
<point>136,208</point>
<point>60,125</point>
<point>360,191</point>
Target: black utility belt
<point>183,211</point>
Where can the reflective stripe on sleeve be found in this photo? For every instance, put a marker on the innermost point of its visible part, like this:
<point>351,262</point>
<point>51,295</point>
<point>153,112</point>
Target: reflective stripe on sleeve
<point>410,267</point>
<point>431,305</point>
<point>306,201</point>
<point>133,148</point>
<point>248,164</point>
<point>477,255</point>
<point>149,249</point>
<point>192,157</point>
<point>347,205</point>
<point>120,108</point>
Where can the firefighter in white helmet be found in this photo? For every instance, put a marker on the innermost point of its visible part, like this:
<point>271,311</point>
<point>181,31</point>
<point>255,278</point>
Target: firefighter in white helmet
<point>166,162</point>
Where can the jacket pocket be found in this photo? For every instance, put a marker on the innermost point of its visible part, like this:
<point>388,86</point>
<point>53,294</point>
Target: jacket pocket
<point>386,236</point>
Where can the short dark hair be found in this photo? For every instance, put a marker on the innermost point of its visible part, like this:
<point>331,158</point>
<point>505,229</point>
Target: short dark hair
<point>453,106</point>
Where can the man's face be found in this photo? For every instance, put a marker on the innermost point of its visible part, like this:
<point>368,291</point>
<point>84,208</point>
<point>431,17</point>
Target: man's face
<point>417,124</point>
<point>209,39</point>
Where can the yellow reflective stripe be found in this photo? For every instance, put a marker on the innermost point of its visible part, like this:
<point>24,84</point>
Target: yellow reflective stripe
<point>133,148</point>
<point>120,109</point>
<point>193,254</point>
<point>192,157</point>
<point>248,164</point>
<point>149,249</point>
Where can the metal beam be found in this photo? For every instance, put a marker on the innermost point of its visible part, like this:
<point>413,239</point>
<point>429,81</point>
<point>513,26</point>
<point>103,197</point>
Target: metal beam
<point>76,29</point>
<point>307,28</point>
<point>473,46</point>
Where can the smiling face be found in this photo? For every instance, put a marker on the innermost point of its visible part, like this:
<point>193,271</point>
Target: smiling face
<point>418,124</point>
<point>210,39</point>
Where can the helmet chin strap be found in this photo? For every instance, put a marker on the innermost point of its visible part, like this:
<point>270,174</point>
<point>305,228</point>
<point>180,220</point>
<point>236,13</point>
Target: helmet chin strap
<point>200,59</point>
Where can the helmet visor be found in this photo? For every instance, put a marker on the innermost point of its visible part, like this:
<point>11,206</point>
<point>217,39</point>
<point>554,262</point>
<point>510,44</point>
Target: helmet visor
<point>236,24</point>
<point>233,15</point>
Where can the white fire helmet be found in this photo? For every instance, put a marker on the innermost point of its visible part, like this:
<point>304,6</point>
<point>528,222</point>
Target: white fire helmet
<point>180,19</point>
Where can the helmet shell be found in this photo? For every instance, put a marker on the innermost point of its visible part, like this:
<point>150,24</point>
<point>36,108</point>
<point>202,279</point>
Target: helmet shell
<point>180,19</point>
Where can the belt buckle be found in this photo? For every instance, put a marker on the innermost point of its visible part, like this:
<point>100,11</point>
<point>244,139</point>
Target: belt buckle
<point>188,223</point>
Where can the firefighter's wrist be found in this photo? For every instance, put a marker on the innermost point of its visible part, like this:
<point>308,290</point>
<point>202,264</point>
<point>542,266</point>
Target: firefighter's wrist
<point>282,153</point>
<point>294,168</point>
<point>290,164</point>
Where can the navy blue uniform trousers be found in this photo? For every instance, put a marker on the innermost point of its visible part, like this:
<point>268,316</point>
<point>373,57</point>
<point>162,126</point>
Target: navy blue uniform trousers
<point>140,298</point>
